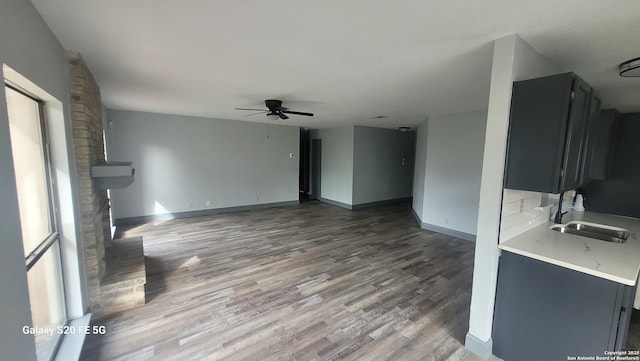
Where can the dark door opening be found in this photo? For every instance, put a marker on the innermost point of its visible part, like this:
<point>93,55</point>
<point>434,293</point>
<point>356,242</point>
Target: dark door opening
<point>316,166</point>
<point>304,169</point>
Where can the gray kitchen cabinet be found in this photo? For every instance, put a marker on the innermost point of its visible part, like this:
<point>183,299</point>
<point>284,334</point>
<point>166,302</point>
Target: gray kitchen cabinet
<point>592,142</point>
<point>602,133</point>
<point>547,133</point>
<point>626,147</point>
<point>548,312</point>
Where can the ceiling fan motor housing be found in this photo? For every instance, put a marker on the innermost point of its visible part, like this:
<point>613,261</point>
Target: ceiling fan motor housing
<point>275,108</point>
<point>273,104</point>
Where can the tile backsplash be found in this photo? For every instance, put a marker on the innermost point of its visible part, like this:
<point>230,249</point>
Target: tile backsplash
<point>521,211</point>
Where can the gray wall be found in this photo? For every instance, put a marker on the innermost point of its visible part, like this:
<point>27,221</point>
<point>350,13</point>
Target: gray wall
<point>419,172</point>
<point>378,171</point>
<point>28,46</point>
<point>454,148</point>
<point>337,163</point>
<point>183,162</point>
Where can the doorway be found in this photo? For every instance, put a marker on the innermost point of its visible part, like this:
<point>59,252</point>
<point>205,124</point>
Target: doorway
<point>316,167</point>
<point>305,149</point>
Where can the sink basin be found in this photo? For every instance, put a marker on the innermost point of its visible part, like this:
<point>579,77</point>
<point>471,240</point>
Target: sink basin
<point>593,230</point>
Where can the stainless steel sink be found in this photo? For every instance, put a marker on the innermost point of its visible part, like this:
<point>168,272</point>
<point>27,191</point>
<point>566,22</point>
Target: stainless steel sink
<point>593,230</point>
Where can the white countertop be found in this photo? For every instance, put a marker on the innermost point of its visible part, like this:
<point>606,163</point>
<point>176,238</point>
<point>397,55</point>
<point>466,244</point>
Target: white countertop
<point>618,262</point>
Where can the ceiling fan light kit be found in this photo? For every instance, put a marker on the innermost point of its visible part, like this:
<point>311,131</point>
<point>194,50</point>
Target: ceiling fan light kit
<point>630,68</point>
<point>275,109</point>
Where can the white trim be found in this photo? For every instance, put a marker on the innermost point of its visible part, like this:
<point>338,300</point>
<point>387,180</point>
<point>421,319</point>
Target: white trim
<point>63,174</point>
<point>71,344</point>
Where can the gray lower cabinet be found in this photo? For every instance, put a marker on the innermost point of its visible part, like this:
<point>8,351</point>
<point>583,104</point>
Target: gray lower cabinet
<point>547,312</point>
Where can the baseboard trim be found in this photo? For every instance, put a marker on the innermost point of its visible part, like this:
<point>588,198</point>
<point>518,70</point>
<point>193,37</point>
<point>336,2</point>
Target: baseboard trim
<point>335,203</point>
<point>479,347</point>
<point>449,232</point>
<point>356,207</point>
<point>415,215</point>
<point>381,203</point>
<point>203,212</point>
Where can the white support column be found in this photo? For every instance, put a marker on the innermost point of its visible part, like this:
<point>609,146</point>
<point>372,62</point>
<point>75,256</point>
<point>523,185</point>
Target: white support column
<point>485,271</point>
<point>513,60</point>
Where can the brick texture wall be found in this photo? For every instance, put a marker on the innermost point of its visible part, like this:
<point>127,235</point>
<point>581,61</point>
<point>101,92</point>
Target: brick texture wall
<point>86,114</point>
<point>115,271</point>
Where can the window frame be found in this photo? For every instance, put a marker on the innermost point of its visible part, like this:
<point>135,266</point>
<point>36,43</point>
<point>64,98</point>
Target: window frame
<point>54,236</point>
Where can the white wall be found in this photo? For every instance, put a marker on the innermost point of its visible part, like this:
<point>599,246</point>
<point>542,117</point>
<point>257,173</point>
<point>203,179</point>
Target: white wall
<point>28,47</point>
<point>454,148</point>
<point>181,163</point>
<point>513,59</point>
<point>336,163</point>
<point>419,169</point>
<point>379,173</point>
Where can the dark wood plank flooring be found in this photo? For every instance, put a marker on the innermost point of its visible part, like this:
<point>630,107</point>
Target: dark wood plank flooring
<point>307,282</point>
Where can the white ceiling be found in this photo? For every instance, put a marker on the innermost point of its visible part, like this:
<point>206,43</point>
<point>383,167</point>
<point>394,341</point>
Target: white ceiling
<point>346,61</point>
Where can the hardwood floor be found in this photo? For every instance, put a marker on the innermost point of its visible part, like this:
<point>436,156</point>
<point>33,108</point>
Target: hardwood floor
<point>306,282</point>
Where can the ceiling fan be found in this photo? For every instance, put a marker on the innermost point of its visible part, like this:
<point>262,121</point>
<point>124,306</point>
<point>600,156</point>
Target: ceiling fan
<point>274,107</point>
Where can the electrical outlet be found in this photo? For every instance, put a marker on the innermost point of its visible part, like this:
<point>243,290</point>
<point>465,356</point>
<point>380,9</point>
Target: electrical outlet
<point>521,205</point>
<point>207,203</point>
<point>190,204</point>
<point>257,199</point>
<point>446,220</point>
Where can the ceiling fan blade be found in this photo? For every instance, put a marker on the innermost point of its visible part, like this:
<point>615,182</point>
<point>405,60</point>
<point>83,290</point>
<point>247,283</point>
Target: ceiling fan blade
<point>262,112</point>
<point>282,116</point>
<point>297,113</point>
<point>258,110</point>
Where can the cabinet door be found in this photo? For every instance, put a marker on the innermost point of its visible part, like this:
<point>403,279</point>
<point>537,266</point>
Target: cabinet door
<point>590,139</point>
<point>547,312</point>
<point>578,115</point>
<point>624,316</point>
<point>537,133</point>
<point>602,142</point>
<point>626,148</point>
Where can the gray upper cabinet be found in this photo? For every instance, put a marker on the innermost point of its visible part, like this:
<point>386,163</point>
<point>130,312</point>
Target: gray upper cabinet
<point>547,133</point>
<point>592,155</point>
<point>574,144</point>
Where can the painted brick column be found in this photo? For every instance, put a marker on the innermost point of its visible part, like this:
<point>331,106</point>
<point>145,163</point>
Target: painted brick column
<point>86,114</point>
